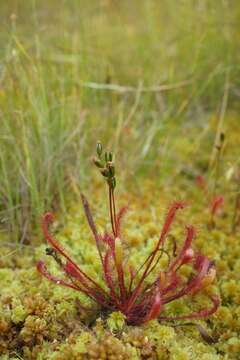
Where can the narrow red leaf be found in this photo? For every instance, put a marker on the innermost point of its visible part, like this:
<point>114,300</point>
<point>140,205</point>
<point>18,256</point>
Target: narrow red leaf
<point>41,267</point>
<point>119,218</point>
<point>183,257</point>
<point>201,182</point>
<point>155,308</point>
<point>194,283</point>
<point>198,314</point>
<point>92,224</point>
<point>216,204</point>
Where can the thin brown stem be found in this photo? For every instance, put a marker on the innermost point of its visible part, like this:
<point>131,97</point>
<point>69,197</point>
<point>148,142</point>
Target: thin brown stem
<point>114,210</point>
<point>235,214</point>
<point>218,157</point>
<point>118,266</point>
<point>111,210</point>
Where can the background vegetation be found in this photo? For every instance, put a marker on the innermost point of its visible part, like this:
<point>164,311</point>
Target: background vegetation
<point>156,80</point>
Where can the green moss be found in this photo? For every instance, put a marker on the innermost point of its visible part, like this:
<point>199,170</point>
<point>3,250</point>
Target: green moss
<point>177,353</point>
<point>116,321</point>
<point>18,313</point>
<point>48,321</point>
<point>164,335</point>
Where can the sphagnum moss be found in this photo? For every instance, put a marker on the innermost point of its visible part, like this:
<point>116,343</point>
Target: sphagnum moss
<point>67,336</point>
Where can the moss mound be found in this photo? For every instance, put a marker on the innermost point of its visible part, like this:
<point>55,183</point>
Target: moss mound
<point>40,320</point>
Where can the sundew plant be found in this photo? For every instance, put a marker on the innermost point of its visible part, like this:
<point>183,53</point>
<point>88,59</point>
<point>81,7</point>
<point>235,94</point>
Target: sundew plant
<point>141,293</point>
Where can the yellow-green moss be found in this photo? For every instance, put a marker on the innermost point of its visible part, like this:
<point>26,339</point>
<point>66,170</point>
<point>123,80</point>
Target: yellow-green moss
<point>41,320</point>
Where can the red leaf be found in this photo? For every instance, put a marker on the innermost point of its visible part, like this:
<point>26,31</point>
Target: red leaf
<point>198,314</point>
<point>217,204</point>
<point>155,308</point>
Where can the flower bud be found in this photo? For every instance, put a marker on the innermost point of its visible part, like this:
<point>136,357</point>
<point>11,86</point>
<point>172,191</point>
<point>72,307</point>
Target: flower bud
<point>99,149</point>
<point>110,156</point>
<point>106,156</point>
<point>97,162</point>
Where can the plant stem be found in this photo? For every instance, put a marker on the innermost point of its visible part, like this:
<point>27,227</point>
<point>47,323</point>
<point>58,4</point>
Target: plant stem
<point>235,214</point>
<point>114,210</point>
<point>111,210</point>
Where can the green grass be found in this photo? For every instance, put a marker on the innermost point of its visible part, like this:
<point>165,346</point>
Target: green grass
<point>54,54</point>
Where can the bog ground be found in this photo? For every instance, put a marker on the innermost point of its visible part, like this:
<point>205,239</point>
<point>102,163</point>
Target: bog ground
<point>158,83</point>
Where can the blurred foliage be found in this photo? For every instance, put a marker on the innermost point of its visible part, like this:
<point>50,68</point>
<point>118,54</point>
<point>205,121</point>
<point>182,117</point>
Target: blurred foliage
<point>53,54</point>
